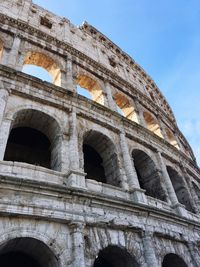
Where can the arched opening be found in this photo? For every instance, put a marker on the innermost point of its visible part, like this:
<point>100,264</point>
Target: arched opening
<point>34,139</point>
<point>148,175</point>
<point>45,62</point>
<point>180,189</point>
<point>92,86</point>
<point>28,145</point>
<point>152,124</point>
<point>197,190</point>
<point>26,252</point>
<point>93,164</point>
<point>100,159</point>
<point>173,260</point>
<point>114,256</point>
<point>172,139</point>
<point>126,108</point>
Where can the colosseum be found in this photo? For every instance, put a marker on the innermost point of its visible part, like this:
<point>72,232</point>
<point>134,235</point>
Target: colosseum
<point>106,181</point>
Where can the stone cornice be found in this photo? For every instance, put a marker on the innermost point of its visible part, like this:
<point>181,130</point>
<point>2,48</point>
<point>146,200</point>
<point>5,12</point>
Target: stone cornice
<point>93,199</point>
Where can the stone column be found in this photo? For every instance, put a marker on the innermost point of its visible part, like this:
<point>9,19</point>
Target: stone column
<point>75,176</point>
<point>194,254</point>
<point>4,134</point>
<point>77,229</point>
<point>73,141</point>
<point>3,100</point>
<point>184,176</point>
<point>139,112</point>
<point>133,183</point>
<point>149,250</point>
<point>4,123</point>
<point>195,195</point>
<point>69,83</point>
<point>110,101</point>
<point>162,128</point>
<point>13,54</point>
<point>176,136</point>
<point>63,79</point>
<point>170,189</point>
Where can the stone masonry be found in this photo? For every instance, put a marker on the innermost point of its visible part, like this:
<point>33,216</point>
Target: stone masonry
<point>103,182</point>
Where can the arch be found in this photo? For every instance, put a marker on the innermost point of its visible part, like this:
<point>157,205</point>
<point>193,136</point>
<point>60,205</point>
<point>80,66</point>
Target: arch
<point>126,107</point>
<point>179,187</point>
<point>173,260</point>
<point>100,158</point>
<point>46,62</point>
<point>148,175</point>
<point>197,190</point>
<point>27,251</point>
<point>11,113</point>
<point>115,256</point>
<point>92,86</point>
<point>171,138</point>
<point>44,147</point>
<point>152,124</point>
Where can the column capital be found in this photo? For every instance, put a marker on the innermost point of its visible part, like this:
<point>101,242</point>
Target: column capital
<point>77,226</point>
<point>147,234</point>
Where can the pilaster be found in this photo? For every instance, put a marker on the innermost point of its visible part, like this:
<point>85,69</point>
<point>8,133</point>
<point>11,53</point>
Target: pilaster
<point>4,134</point>
<point>75,177</point>
<point>170,189</point>
<point>191,198</point>
<point>68,80</point>
<point>194,253</point>
<point>3,100</point>
<point>136,192</point>
<point>149,250</point>
<point>139,111</point>
<point>110,101</point>
<point>77,229</point>
<point>13,54</point>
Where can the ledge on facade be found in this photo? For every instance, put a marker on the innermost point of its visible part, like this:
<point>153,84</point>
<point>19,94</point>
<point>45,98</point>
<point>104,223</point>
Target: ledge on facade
<point>32,172</point>
<point>157,203</point>
<point>95,200</point>
<point>107,189</point>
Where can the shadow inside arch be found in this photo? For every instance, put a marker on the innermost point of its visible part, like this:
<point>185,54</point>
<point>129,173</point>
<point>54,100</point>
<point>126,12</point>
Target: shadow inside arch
<point>27,252</point>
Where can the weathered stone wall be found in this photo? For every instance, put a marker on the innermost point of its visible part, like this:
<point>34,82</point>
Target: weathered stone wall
<point>149,206</point>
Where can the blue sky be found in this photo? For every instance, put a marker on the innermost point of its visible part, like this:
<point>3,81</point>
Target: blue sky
<point>162,36</point>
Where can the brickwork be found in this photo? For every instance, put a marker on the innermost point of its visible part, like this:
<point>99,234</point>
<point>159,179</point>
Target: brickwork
<point>145,212</point>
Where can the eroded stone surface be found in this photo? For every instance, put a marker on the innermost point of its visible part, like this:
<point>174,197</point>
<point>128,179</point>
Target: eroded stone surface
<point>146,208</point>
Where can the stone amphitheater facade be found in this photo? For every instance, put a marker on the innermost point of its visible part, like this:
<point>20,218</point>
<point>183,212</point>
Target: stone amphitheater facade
<point>102,182</point>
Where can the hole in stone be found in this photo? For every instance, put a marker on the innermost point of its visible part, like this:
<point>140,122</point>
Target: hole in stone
<point>34,139</point>
<point>101,162</point>
<point>114,256</point>
<point>37,72</point>
<point>26,252</point>
<point>18,259</point>
<point>92,86</point>
<point>93,164</point>
<point>152,124</point>
<point>41,60</point>
<point>125,107</point>
<point>180,189</point>
<point>148,175</point>
<point>173,260</point>
<point>30,146</point>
